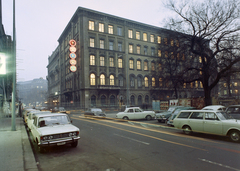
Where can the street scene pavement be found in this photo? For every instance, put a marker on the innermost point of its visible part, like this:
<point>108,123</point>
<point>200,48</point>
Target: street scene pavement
<point>15,150</point>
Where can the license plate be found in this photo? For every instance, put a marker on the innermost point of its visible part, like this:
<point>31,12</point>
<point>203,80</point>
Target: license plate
<point>61,143</point>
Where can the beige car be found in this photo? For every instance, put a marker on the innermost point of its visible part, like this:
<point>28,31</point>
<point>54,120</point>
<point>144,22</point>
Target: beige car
<point>208,121</point>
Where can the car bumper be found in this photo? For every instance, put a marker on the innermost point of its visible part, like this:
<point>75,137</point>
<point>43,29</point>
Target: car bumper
<point>58,142</point>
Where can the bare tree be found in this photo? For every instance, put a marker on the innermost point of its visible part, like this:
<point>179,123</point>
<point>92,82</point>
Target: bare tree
<point>210,39</point>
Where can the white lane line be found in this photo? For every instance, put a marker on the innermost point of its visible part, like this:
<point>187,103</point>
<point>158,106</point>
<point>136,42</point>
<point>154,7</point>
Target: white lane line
<point>144,125</point>
<point>219,164</point>
<point>131,123</point>
<point>133,139</point>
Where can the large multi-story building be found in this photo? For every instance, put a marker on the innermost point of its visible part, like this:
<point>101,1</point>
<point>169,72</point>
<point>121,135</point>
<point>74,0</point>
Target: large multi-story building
<point>107,61</point>
<point>33,92</point>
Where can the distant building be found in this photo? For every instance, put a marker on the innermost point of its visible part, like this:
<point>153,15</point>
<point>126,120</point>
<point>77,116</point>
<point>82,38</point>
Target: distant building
<point>33,93</point>
<point>113,64</point>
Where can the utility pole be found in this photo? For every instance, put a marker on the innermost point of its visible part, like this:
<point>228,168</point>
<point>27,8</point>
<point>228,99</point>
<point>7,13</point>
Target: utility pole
<point>14,73</point>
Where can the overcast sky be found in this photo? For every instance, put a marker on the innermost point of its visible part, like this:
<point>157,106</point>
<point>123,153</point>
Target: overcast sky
<point>39,23</point>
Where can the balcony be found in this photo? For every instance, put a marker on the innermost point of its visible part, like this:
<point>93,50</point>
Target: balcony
<point>107,87</point>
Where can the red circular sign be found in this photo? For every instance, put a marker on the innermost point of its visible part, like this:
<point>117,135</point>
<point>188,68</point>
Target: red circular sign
<point>73,68</point>
<point>72,42</point>
<point>73,62</point>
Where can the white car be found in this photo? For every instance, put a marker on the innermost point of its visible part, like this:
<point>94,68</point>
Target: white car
<point>54,129</point>
<point>135,113</point>
<point>215,107</point>
<point>31,116</point>
<point>208,121</point>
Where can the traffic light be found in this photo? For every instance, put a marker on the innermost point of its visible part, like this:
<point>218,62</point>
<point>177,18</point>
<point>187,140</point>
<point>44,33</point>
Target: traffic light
<point>2,64</point>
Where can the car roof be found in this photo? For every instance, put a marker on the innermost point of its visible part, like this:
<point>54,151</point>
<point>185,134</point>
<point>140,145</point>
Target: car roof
<point>213,107</point>
<point>50,114</point>
<point>199,110</point>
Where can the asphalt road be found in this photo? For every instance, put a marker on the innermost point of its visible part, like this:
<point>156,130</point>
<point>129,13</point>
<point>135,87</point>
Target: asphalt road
<point>110,145</point>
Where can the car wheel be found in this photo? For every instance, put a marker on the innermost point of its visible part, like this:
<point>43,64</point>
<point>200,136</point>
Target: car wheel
<point>148,117</point>
<point>125,118</point>
<point>74,144</point>
<point>187,130</point>
<point>234,136</point>
<point>159,120</point>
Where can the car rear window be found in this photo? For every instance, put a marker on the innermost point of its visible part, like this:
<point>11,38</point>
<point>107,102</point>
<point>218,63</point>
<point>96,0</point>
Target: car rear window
<point>184,114</point>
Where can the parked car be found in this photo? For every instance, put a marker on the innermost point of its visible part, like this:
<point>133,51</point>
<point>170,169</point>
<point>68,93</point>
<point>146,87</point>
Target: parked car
<point>175,113</point>
<point>163,116</point>
<point>234,111</point>
<point>94,112</point>
<point>215,107</point>
<point>135,113</point>
<point>31,116</point>
<point>208,121</point>
<point>59,110</point>
<point>25,114</point>
<point>54,129</point>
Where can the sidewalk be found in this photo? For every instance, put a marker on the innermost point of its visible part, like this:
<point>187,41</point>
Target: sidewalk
<point>15,150</point>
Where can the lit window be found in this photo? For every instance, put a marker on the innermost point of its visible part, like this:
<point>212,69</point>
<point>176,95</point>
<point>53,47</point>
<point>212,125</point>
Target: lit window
<point>110,29</point>
<point>166,54</point>
<point>159,53</point>
<point>139,65</point>
<point>145,65</point>
<point>137,35</point>
<point>160,82</point>
<point>102,79</point>
<point>152,38</point>
<point>144,36</point>
<point>201,84</point>
<point>120,63</point>
<point>172,42</point>
<point>196,84</point>
<point>184,85</point>
<point>91,42</point>
<point>101,44</point>
<point>146,81</point>
<point>138,49</point>
<point>101,27</point>
<point>111,80</point>
<point>235,84</point>
<point>91,25</point>
<point>130,48</point>
<point>160,67</point>
<point>92,79</point>
<point>165,41</point>
<point>92,60</point>
<point>153,82</point>
<point>159,39</point>
<point>130,34</point>
<point>225,92</point>
<point>102,61</point>
<point>236,91</point>
<point>153,66</point>
<point>191,84</point>
<point>177,43</point>
<point>225,84</point>
<point>131,64</point>
<point>200,59</point>
<point>111,63</point>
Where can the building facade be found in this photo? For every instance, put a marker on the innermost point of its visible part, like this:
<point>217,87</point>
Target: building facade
<point>33,93</point>
<point>117,61</point>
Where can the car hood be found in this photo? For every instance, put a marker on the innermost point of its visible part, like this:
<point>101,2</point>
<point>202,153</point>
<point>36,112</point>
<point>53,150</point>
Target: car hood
<point>232,121</point>
<point>57,129</point>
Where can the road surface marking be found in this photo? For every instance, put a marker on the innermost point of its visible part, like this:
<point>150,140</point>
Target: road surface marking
<point>133,139</point>
<point>219,164</point>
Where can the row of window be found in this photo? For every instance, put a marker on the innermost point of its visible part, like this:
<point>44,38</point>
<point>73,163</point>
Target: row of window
<point>131,35</point>
<point>139,81</point>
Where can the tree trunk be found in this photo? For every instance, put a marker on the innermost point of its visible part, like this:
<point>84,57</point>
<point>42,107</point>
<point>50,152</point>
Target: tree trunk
<point>207,93</point>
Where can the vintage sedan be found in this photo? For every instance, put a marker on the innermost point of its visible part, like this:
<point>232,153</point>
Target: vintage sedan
<point>135,113</point>
<point>54,129</point>
<point>94,112</point>
<point>163,116</point>
<point>31,116</point>
<point>234,111</point>
<point>208,121</point>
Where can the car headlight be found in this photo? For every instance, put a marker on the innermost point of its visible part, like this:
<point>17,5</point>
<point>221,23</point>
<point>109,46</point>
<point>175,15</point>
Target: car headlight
<point>45,138</point>
<point>50,137</point>
<point>70,134</point>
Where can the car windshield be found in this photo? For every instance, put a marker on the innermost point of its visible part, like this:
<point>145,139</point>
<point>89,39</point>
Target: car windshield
<point>223,115</point>
<point>96,110</point>
<point>53,120</point>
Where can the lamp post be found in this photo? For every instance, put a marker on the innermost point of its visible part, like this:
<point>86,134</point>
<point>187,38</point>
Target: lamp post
<point>14,73</point>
